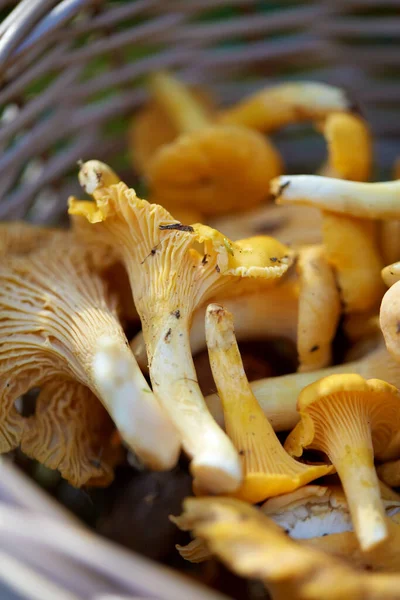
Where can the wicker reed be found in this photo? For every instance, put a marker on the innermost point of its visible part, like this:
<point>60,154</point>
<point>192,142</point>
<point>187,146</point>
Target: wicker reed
<point>71,73</point>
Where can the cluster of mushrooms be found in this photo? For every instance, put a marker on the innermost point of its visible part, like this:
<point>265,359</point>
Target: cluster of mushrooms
<point>66,295</point>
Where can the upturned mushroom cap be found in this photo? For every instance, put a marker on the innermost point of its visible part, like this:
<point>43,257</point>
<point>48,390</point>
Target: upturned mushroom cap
<point>151,128</point>
<point>268,469</point>
<point>351,419</point>
<point>72,432</point>
<point>54,309</point>
<point>252,545</point>
<point>219,168</point>
<point>319,309</point>
<point>391,274</point>
<point>389,318</point>
<point>351,248</point>
<point>170,278</point>
<point>349,146</point>
<point>277,106</point>
<point>364,200</point>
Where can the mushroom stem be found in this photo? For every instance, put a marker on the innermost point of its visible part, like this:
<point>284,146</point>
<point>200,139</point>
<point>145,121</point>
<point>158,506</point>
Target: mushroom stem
<point>351,452</point>
<point>183,109</point>
<point>268,469</point>
<point>277,396</point>
<point>367,200</point>
<point>215,465</point>
<point>132,405</point>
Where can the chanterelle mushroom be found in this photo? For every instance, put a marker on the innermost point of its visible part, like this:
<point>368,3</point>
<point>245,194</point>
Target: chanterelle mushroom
<point>19,238</point>
<point>216,168</point>
<point>389,318</point>
<point>351,420</point>
<point>54,311</point>
<point>277,106</point>
<point>353,198</point>
<point>319,309</point>
<point>252,545</point>
<point>391,274</point>
<point>268,469</point>
<point>277,396</point>
<point>170,278</point>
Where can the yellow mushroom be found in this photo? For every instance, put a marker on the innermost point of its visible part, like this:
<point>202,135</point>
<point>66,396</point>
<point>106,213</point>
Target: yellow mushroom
<point>280,105</point>
<point>19,238</point>
<point>267,314</point>
<point>352,198</point>
<point>349,146</point>
<point>54,312</point>
<point>351,249</point>
<point>389,472</point>
<point>253,546</point>
<point>170,278</point>
<point>277,396</point>
<point>152,128</point>
<point>268,469</point>
<point>351,419</point>
<point>391,274</point>
<point>389,319</point>
<point>390,230</point>
<point>319,309</point>
<point>72,432</point>
<point>213,168</point>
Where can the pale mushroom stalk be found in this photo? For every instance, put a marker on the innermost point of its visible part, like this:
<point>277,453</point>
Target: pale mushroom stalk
<point>351,419</point>
<point>54,311</point>
<point>210,166</point>
<point>277,106</point>
<point>169,280</point>
<point>277,396</point>
<point>269,314</point>
<point>268,469</point>
<point>357,199</point>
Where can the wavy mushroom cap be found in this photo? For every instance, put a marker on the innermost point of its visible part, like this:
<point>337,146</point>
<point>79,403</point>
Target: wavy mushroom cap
<point>352,198</point>
<point>349,146</point>
<point>351,419</point>
<point>351,248</point>
<point>219,168</point>
<point>152,128</point>
<point>277,106</point>
<point>252,545</point>
<point>319,309</point>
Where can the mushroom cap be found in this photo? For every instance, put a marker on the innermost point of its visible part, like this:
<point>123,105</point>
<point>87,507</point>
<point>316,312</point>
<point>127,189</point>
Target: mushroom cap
<point>391,274</point>
<point>151,128</point>
<point>380,399</point>
<point>19,238</point>
<point>72,432</point>
<point>350,246</point>
<point>319,309</point>
<point>389,319</point>
<point>349,146</point>
<point>219,168</point>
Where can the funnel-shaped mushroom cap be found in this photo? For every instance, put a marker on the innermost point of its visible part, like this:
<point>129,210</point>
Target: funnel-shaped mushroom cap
<point>219,168</point>
<point>54,309</point>
<point>389,318</point>
<point>152,128</point>
<point>365,200</point>
<point>319,309</point>
<point>277,396</point>
<point>268,469</point>
<point>19,238</point>
<point>252,545</point>
<point>277,106</point>
<point>349,146</point>
<point>170,278</point>
<point>350,419</point>
<point>270,313</point>
<point>391,274</point>
<point>72,432</point>
<point>351,248</point>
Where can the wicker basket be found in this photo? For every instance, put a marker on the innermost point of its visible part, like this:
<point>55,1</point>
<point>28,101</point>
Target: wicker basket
<point>71,73</point>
